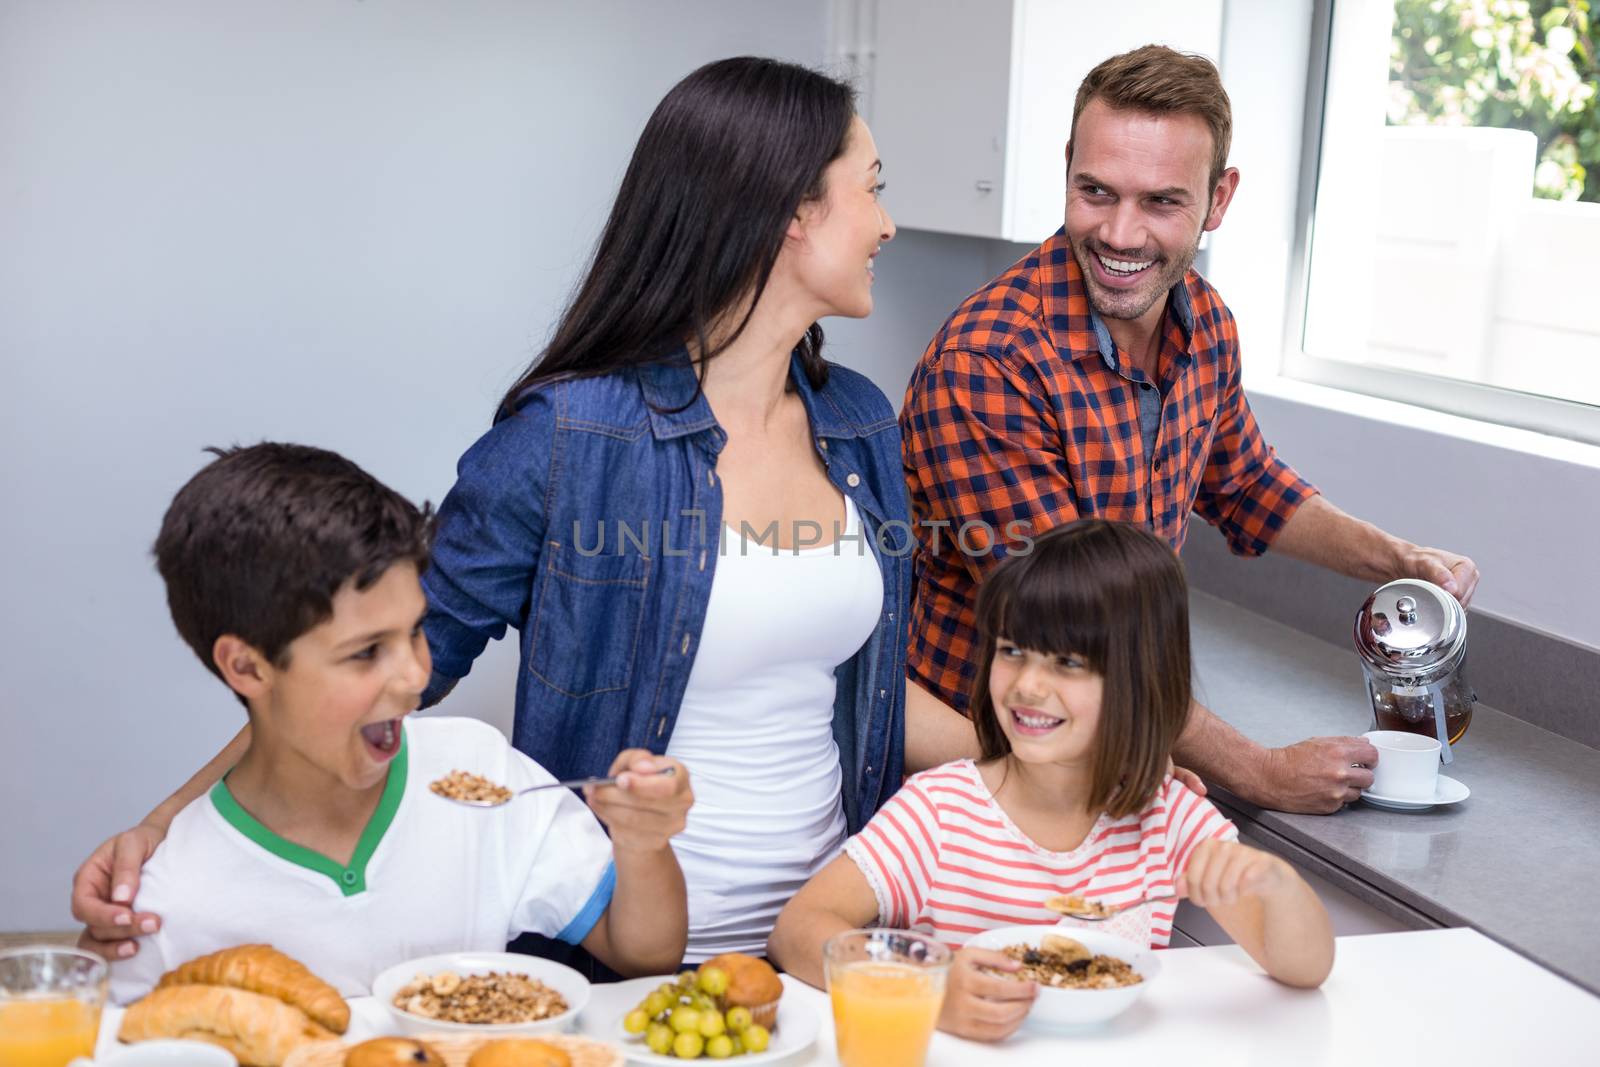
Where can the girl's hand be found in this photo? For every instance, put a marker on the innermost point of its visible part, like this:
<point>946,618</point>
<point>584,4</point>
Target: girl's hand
<point>982,1006</point>
<point>643,810</point>
<point>1221,872</point>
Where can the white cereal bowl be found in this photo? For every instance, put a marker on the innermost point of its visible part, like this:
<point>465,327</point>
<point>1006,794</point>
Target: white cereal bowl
<point>573,987</point>
<point>1064,1008</point>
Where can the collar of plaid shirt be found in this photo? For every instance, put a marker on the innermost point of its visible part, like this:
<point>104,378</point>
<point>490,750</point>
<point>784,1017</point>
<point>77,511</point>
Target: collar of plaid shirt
<point>1069,277</point>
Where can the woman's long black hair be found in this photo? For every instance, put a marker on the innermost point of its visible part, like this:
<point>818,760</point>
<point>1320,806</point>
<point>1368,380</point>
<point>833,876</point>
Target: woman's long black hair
<point>724,163</point>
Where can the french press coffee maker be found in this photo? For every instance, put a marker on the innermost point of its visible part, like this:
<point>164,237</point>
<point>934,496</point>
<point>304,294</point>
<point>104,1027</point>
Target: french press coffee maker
<point>1412,639</point>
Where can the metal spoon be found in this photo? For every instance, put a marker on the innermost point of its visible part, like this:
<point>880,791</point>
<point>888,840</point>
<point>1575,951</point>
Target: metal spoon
<point>1092,911</point>
<point>570,783</point>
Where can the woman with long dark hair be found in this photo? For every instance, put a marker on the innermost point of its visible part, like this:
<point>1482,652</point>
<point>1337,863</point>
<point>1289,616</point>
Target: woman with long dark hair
<point>695,521</point>
<point>697,524</point>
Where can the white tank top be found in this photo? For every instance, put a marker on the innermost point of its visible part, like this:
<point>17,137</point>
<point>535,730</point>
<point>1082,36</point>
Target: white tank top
<point>756,730</point>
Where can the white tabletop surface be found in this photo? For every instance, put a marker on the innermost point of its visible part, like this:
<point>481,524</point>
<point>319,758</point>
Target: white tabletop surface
<point>1449,997</point>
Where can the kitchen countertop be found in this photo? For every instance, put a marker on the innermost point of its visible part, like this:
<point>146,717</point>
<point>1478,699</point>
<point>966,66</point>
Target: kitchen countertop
<point>1517,861</point>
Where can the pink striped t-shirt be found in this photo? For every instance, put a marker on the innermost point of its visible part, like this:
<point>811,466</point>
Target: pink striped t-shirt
<point>943,859</point>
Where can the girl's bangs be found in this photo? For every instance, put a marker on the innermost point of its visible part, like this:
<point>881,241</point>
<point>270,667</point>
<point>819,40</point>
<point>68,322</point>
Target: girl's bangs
<point>1045,609</point>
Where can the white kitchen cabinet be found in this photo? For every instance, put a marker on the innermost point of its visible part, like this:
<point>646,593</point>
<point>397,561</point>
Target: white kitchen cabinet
<point>970,101</point>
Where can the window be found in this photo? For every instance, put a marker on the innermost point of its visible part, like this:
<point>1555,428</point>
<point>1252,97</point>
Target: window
<point>1452,254</point>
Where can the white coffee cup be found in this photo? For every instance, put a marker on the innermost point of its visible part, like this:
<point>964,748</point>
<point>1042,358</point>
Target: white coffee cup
<point>1408,765</point>
<point>164,1054</point>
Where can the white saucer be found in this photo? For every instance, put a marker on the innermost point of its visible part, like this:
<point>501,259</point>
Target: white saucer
<point>1447,791</point>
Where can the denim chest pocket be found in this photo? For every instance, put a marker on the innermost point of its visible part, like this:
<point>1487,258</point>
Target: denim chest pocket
<point>587,619</point>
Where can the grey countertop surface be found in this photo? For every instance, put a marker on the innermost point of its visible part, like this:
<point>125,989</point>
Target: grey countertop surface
<point>1519,860</point>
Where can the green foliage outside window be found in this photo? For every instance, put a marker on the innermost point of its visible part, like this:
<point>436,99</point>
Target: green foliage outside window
<point>1524,64</point>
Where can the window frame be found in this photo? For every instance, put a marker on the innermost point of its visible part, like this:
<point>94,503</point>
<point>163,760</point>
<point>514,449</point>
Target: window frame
<point>1483,403</point>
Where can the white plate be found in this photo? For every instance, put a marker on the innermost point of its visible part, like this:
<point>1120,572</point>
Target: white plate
<point>1446,791</point>
<point>573,987</point>
<point>796,1030</point>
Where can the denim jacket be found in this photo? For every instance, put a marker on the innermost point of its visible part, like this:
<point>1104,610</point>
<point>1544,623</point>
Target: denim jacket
<point>589,521</point>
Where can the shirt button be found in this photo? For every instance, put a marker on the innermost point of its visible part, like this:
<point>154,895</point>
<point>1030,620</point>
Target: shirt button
<point>349,877</point>
<point>822,445</point>
<point>1158,463</point>
<point>883,694</point>
<point>853,481</point>
<point>686,644</point>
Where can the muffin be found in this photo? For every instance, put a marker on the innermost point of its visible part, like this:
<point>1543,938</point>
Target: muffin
<point>392,1052</point>
<point>752,984</point>
<point>519,1052</point>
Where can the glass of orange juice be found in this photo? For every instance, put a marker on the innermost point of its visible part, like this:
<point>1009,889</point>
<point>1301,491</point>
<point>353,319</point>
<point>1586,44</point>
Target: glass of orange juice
<point>887,987</point>
<point>50,1001</point>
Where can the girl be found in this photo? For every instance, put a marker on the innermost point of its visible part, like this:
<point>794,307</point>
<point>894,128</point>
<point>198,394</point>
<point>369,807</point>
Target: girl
<point>1085,687</point>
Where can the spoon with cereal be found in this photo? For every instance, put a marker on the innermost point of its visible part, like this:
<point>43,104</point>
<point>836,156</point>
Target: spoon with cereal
<point>475,791</point>
<point>1076,906</point>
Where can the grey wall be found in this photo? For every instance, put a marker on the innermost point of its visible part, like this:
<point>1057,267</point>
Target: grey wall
<point>343,223</point>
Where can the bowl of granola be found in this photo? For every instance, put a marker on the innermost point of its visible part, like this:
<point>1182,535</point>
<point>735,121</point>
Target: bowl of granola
<point>490,993</point>
<point>1084,976</point>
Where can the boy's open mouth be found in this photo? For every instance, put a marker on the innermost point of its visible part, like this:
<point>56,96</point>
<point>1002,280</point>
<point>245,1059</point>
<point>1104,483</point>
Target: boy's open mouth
<point>382,738</point>
<point>1030,722</point>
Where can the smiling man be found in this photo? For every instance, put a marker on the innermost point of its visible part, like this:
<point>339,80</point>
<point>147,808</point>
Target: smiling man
<point>1099,376</point>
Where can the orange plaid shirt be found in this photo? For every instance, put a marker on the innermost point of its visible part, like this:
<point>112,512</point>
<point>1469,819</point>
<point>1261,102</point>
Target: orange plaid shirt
<point>1023,414</point>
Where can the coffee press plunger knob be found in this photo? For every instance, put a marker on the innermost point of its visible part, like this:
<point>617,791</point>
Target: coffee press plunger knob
<point>1407,607</point>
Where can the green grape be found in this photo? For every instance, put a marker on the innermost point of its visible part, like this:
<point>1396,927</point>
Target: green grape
<point>713,981</point>
<point>659,1038</point>
<point>738,1020</point>
<point>684,1019</point>
<point>656,1003</point>
<point>686,981</point>
<point>701,1002</point>
<point>636,1021</point>
<point>711,1024</point>
<point>688,1046</point>
<point>669,992</point>
<point>738,1045</point>
<point>756,1038</point>
<point>720,1047</point>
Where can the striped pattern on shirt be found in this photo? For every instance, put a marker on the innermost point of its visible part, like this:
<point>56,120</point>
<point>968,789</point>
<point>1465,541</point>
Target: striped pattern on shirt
<point>945,860</point>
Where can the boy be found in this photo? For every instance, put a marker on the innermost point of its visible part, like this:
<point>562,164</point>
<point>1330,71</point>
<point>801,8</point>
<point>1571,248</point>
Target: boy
<point>293,575</point>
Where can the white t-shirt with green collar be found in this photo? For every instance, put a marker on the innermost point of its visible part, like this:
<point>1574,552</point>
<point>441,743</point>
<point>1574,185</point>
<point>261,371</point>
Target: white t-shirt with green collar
<point>427,876</point>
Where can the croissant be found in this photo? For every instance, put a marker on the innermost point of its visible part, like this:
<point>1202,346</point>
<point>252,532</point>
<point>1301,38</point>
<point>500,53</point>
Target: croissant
<point>258,1030</point>
<point>263,969</point>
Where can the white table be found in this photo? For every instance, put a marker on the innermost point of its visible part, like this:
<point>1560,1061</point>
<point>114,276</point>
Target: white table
<point>1448,997</point>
